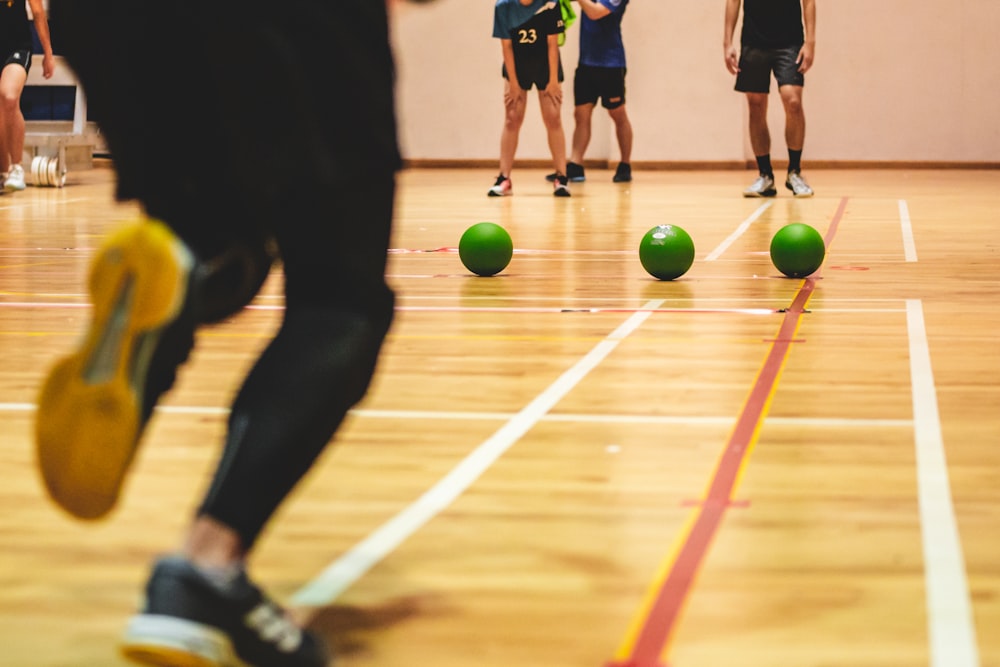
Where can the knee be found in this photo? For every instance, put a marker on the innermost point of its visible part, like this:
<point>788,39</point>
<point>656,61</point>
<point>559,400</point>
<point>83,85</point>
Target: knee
<point>757,104</point>
<point>9,101</point>
<point>230,280</point>
<point>513,120</point>
<point>793,106</point>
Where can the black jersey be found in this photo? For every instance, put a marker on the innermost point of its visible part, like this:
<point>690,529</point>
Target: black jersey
<point>15,33</point>
<point>772,24</point>
<point>529,37</point>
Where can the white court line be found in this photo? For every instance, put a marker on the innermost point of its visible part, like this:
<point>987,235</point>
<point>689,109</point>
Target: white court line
<point>744,226</point>
<point>909,246</point>
<point>350,567</point>
<point>673,420</point>
<point>950,623</point>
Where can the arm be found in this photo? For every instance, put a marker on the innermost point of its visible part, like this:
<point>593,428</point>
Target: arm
<point>42,28</point>
<point>594,10</point>
<point>806,55</point>
<point>729,50</point>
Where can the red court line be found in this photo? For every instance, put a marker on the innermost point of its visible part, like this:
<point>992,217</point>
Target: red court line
<point>661,620</point>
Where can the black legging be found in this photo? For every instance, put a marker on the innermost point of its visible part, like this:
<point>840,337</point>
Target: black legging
<point>320,363</point>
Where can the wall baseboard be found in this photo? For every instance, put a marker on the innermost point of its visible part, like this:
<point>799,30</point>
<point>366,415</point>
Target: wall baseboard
<point>707,165</point>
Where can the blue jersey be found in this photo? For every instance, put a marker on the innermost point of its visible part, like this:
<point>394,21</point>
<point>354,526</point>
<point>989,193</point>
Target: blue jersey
<point>601,41</point>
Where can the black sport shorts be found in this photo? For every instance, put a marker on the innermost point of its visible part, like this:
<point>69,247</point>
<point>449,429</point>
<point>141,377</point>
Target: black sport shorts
<point>756,66</point>
<point>21,56</point>
<point>533,72</point>
<point>604,83</point>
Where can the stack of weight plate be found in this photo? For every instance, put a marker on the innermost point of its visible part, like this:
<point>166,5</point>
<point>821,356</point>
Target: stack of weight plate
<point>46,172</point>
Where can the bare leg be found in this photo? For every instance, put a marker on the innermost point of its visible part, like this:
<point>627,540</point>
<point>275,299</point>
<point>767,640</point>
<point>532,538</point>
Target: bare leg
<point>623,130</point>
<point>760,136</point>
<point>514,107</point>
<point>11,119</point>
<point>795,117</point>
<point>581,132</point>
<point>552,117</point>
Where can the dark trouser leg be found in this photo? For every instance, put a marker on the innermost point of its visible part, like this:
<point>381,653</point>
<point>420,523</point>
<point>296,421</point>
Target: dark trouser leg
<point>321,361</point>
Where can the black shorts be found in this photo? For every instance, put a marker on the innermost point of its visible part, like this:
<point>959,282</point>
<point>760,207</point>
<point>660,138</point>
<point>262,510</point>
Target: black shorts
<point>756,66</point>
<point>20,57</point>
<point>533,72</point>
<point>604,83</point>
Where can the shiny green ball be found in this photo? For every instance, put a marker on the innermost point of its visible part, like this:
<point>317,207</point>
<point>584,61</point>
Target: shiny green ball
<point>485,248</point>
<point>666,252</point>
<point>797,250</point>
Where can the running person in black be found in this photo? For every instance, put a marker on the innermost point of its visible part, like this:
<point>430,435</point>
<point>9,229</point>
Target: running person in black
<point>299,173</point>
<point>529,31</point>
<point>778,36</point>
<point>15,54</point>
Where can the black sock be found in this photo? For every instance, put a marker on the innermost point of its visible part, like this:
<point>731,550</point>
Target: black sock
<point>764,165</point>
<point>794,161</point>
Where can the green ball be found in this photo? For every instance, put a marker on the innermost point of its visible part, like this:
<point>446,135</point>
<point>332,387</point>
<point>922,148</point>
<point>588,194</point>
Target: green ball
<point>485,248</point>
<point>797,250</point>
<point>666,252</point>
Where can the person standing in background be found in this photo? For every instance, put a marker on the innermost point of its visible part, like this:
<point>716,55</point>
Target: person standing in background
<point>529,31</point>
<point>600,75</point>
<point>15,50</point>
<point>778,36</point>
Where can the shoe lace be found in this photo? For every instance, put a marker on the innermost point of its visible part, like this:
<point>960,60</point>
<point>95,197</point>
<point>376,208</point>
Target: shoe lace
<point>273,626</point>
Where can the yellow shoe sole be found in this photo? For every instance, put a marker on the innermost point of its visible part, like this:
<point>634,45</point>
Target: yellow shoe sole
<point>90,412</point>
<point>164,641</point>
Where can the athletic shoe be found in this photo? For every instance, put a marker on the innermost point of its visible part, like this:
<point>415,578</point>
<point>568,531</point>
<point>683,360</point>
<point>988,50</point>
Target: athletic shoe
<point>189,620</point>
<point>96,401</point>
<point>502,188</point>
<point>798,185</point>
<point>15,178</point>
<point>762,187</point>
<point>561,186</point>
<point>623,174</point>
<point>574,172</point>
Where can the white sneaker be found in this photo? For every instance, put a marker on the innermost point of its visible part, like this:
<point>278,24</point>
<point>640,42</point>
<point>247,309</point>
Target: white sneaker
<point>15,178</point>
<point>798,185</point>
<point>762,187</point>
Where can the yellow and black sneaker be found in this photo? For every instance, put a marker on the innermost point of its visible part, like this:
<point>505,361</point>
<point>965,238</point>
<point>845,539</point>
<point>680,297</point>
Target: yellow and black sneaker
<point>96,401</point>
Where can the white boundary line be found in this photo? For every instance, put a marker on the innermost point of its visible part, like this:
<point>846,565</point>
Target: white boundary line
<point>950,624</point>
<point>909,246</point>
<point>744,226</point>
<point>673,420</point>
<point>350,567</point>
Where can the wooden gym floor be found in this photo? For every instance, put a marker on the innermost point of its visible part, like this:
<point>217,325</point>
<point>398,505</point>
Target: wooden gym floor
<point>572,464</point>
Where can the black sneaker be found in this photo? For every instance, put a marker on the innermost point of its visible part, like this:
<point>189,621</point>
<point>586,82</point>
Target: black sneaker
<point>574,172</point>
<point>561,186</point>
<point>623,174</point>
<point>96,401</point>
<point>188,620</point>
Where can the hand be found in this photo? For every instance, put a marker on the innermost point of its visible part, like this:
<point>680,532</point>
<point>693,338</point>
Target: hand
<point>514,94</point>
<point>48,66</point>
<point>554,92</point>
<point>732,59</point>
<point>805,58</point>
